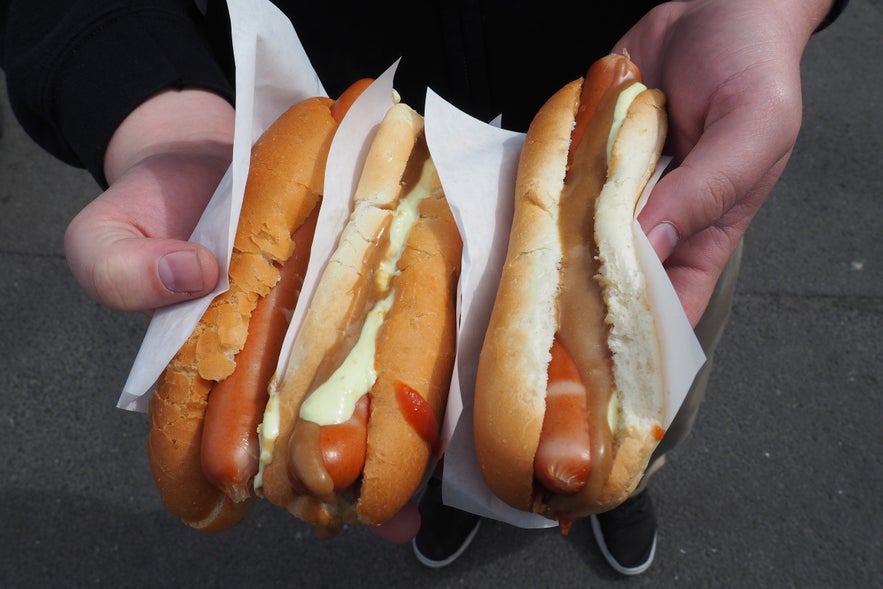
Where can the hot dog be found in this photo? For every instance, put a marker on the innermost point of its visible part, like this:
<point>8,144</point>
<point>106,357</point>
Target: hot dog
<point>569,397</point>
<point>352,424</point>
<point>202,444</point>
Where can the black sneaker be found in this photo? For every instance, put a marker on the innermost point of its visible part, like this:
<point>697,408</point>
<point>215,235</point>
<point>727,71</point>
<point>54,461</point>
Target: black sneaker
<point>445,532</point>
<point>626,534</point>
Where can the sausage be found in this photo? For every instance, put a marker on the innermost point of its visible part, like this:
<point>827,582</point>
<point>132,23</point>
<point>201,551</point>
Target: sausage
<point>329,458</point>
<point>608,73</point>
<point>230,448</point>
<point>343,446</point>
<point>563,460</point>
<point>348,97</point>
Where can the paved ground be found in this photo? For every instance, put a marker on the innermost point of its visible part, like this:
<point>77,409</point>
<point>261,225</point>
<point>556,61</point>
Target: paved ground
<point>780,484</point>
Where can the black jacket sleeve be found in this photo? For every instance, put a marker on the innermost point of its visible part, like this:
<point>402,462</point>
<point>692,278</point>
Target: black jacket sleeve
<point>75,69</point>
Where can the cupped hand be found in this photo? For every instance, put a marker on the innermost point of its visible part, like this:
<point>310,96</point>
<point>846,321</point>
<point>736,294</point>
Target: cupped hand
<point>731,75</point>
<point>128,247</point>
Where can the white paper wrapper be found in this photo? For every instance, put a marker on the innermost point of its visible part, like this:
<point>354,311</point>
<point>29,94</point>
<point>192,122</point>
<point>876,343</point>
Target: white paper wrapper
<point>346,158</point>
<point>477,164</point>
<point>272,73</point>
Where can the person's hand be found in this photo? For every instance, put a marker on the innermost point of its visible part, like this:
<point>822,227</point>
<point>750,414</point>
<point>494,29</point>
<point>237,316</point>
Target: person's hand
<point>402,527</point>
<point>731,74</point>
<point>128,247</point>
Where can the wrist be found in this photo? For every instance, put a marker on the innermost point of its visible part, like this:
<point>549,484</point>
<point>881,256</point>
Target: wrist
<point>191,120</point>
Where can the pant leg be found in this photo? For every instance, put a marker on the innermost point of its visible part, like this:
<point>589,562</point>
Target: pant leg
<point>708,332</point>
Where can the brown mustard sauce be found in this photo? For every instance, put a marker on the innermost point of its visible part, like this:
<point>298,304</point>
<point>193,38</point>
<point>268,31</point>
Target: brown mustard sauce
<point>306,465</point>
<point>582,329</point>
<point>306,468</point>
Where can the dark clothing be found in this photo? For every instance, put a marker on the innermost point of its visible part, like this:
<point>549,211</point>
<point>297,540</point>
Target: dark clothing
<point>75,69</point>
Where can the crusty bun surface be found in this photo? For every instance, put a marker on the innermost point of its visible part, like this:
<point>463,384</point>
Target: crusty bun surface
<point>511,380</point>
<point>284,186</point>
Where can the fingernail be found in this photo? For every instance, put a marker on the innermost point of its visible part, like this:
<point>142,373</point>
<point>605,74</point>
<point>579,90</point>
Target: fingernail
<point>664,238</point>
<point>181,272</point>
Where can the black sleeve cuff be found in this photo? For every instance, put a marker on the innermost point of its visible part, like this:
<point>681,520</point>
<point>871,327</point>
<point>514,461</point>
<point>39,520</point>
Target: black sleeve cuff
<point>105,70</point>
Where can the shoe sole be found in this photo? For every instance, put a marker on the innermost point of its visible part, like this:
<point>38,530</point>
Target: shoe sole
<point>437,564</point>
<point>623,570</point>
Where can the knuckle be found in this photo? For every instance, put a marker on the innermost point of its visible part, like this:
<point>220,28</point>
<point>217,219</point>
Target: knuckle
<point>115,283</point>
<point>720,195</point>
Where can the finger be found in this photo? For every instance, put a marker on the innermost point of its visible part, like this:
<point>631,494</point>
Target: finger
<point>127,248</point>
<point>643,41</point>
<point>694,270</point>
<point>402,527</point>
<point>124,270</point>
<point>695,265</point>
<point>746,138</point>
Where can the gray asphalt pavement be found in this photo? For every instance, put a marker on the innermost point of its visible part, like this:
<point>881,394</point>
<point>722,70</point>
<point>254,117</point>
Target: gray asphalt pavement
<point>779,485</point>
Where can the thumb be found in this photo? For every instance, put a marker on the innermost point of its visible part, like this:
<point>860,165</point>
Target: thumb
<point>698,218</point>
<point>125,270</point>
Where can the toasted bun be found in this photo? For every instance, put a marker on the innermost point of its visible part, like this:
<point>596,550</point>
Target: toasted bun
<point>283,187</point>
<point>174,448</point>
<point>510,385</point>
<point>512,373</point>
<point>416,346</point>
<point>415,343</point>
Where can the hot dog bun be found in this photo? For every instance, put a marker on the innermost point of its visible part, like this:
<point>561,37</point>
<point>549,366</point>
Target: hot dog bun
<point>408,346</point>
<point>281,199</point>
<point>530,311</point>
